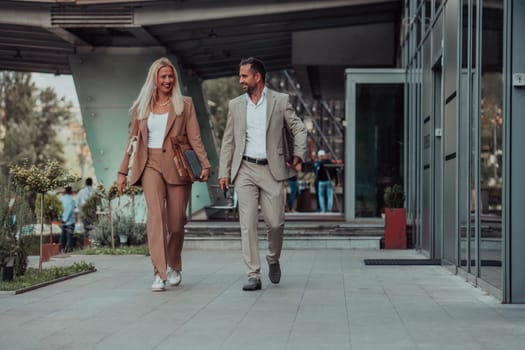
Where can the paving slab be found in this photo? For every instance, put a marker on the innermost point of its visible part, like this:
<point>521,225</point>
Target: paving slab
<point>327,299</point>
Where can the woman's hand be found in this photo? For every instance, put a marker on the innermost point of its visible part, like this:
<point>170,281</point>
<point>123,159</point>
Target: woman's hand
<point>121,183</point>
<point>205,174</point>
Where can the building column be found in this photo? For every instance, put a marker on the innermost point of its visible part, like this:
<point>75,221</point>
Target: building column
<point>108,81</point>
<point>515,190</point>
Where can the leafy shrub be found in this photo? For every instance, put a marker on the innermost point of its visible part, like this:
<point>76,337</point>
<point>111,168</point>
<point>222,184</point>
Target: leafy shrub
<point>101,233</point>
<point>89,209</point>
<point>32,242</point>
<point>34,276</point>
<point>138,234</point>
<point>394,196</point>
<point>136,250</point>
<point>14,213</point>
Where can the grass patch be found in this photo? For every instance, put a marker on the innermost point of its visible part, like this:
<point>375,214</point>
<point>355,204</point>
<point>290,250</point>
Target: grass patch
<point>131,250</point>
<point>33,276</point>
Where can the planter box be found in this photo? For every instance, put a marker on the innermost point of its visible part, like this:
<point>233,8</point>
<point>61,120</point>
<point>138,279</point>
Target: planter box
<point>49,250</point>
<point>395,228</point>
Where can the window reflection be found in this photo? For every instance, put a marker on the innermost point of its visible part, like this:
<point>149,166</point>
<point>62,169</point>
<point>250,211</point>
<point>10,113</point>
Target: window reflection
<point>379,145</point>
<point>490,129</point>
<point>465,184</point>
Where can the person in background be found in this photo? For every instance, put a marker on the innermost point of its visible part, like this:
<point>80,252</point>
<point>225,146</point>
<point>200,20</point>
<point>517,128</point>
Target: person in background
<point>68,220</point>
<point>325,176</point>
<point>82,196</point>
<point>316,164</point>
<point>159,114</point>
<point>252,158</point>
<point>294,190</point>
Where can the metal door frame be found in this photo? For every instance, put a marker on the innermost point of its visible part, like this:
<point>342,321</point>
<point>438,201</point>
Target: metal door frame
<point>354,77</point>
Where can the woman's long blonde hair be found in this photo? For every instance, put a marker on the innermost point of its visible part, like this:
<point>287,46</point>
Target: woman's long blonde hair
<point>148,94</point>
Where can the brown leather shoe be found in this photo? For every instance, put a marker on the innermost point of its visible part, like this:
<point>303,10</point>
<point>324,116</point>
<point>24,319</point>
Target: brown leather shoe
<point>253,284</point>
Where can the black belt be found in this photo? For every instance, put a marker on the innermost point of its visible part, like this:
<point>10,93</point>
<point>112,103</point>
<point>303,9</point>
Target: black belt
<point>255,161</point>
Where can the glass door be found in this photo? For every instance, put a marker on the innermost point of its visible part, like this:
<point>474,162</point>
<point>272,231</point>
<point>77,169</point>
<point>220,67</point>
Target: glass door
<point>375,122</point>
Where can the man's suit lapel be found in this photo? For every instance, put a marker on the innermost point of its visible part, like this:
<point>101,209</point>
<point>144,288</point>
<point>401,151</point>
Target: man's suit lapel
<point>270,104</point>
<point>243,105</point>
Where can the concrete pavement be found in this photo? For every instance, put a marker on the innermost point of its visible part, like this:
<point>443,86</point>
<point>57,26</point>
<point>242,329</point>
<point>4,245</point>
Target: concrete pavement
<point>327,299</point>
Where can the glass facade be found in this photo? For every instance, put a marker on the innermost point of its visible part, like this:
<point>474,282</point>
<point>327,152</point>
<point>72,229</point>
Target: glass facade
<point>379,145</point>
<point>491,145</point>
<point>453,52</point>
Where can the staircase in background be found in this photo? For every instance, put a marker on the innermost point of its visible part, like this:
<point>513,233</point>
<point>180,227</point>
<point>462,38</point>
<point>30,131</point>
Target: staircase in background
<point>324,118</point>
<point>297,235</point>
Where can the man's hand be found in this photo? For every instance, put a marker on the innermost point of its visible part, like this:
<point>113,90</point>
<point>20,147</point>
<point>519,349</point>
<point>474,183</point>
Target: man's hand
<point>224,184</point>
<point>295,161</point>
<point>121,183</point>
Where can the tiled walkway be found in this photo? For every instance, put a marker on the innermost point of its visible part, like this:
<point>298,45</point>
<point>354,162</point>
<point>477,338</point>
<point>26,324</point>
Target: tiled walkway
<point>327,299</point>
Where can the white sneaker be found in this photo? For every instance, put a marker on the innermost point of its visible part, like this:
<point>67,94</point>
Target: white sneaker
<point>174,277</point>
<point>158,284</point>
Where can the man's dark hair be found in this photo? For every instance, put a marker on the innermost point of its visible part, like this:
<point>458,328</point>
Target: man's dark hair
<point>69,190</point>
<point>256,66</point>
<point>89,181</point>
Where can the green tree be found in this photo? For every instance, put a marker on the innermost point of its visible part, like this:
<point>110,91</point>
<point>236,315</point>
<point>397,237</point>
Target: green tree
<point>30,117</point>
<point>31,178</point>
<point>219,92</point>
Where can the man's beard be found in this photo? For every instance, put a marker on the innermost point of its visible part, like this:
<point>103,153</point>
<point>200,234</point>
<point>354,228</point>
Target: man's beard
<point>251,89</point>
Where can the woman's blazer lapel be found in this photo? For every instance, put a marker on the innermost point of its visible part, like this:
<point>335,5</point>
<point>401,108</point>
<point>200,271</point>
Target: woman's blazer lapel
<point>172,117</point>
<point>143,130</point>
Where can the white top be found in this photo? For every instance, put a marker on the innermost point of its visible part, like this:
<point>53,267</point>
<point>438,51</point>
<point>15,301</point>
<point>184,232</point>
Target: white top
<point>156,129</point>
<point>256,127</point>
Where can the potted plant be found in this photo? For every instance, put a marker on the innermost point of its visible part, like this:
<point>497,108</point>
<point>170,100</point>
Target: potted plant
<point>51,211</point>
<point>395,218</point>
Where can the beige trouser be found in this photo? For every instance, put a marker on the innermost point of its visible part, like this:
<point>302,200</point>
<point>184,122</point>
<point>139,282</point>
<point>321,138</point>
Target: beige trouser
<point>255,185</point>
<point>166,207</point>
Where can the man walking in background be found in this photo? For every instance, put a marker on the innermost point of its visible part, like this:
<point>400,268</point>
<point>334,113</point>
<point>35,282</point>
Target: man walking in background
<point>82,196</point>
<point>68,220</point>
<point>252,158</point>
<point>325,175</point>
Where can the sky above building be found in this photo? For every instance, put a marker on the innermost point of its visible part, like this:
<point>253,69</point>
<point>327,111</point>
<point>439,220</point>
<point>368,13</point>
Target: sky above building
<point>62,84</point>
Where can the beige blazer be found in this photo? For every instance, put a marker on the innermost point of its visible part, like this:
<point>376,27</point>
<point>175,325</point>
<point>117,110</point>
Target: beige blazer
<point>278,111</point>
<point>174,127</point>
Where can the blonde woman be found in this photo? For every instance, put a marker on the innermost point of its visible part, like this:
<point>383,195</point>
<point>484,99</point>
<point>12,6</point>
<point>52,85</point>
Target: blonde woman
<point>159,114</point>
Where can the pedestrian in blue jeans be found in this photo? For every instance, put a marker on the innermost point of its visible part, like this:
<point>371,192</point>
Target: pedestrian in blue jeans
<point>325,189</point>
<point>294,191</point>
<point>68,220</point>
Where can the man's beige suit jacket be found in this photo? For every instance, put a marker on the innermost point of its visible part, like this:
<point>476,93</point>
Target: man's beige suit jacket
<point>278,111</point>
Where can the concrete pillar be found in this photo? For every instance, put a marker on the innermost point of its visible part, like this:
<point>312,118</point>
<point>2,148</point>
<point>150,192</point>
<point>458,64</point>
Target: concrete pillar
<point>192,86</point>
<point>515,239</point>
<point>107,81</point>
